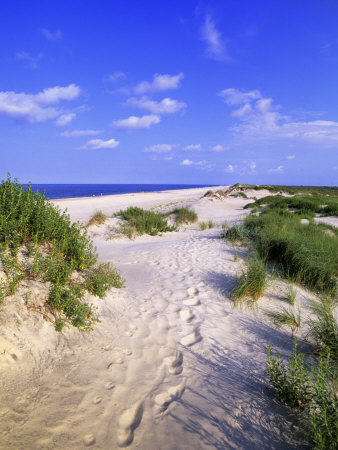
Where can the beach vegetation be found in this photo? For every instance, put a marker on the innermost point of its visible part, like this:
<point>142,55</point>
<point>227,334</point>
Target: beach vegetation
<point>56,250</point>
<point>138,221</point>
<point>310,392</point>
<point>184,216</point>
<point>252,282</point>
<point>287,317</point>
<point>203,225</point>
<point>210,224</point>
<point>98,218</point>
<point>291,294</point>
<point>236,233</point>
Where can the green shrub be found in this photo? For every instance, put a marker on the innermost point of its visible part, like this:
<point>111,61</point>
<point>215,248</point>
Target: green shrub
<point>251,283</point>
<point>101,279</point>
<point>55,248</point>
<point>184,216</point>
<point>236,233</point>
<point>145,222</point>
<point>310,392</point>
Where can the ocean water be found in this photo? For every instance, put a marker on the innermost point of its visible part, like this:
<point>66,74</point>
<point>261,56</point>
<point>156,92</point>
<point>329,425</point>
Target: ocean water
<point>54,191</point>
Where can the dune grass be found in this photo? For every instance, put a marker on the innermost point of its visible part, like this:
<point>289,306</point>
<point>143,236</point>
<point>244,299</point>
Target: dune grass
<point>203,225</point>
<point>304,253</point>
<point>98,218</point>
<point>138,221</point>
<point>55,249</point>
<point>184,216</point>
<point>252,282</point>
<point>287,317</point>
<point>311,392</point>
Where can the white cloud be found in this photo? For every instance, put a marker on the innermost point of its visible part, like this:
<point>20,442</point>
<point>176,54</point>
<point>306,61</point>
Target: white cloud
<point>32,108</point>
<point>30,61</point>
<point>165,106</point>
<point>220,148</point>
<point>159,148</point>
<point>56,36</point>
<point>252,165</point>
<point>188,162</point>
<point>260,118</point>
<point>229,168</point>
<point>116,76</point>
<point>290,157</point>
<point>162,158</point>
<point>234,96</point>
<point>65,119</point>
<point>79,133</point>
<point>95,144</point>
<point>193,147</point>
<point>161,82</point>
<point>216,48</point>
<point>279,169</point>
<point>136,123</point>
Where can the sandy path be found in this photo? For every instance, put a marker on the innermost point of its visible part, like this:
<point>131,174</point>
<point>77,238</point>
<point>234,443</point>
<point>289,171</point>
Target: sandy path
<point>171,366</point>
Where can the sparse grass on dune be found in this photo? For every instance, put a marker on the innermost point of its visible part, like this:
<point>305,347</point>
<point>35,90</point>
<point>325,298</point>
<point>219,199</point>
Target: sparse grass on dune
<point>203,226</point>
<point>287,317</point>
<point>252,282</point>
<point>184,216</point>
<point>97,218</point>
<point>139,221</point>
<point>55,250</point>
<point>305,253</point>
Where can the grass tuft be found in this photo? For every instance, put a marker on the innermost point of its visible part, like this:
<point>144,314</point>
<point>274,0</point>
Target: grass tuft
<point>287,317</point>
<point>139,221</point>
<point>97,218</point>
<point>251,283</point>
<point>203,226</point>
<point>184,216</point>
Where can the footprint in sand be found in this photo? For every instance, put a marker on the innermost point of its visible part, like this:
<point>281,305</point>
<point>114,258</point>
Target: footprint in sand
<point>89,439</point>
<point>128,422</point>
<point>187,315</point>
<point>97,399</point>
<point>164,399</point>
<point>192,291</point>
<point>109,386</point>
<point>191,301</point>
<point>191,338</point>
<point>175,363</point>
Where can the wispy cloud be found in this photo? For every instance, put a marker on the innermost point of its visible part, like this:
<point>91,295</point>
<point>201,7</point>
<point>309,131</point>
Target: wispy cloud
<point>161,82</point>
<point>136,123</point>
<point>79,133</point>
<point>220,148</point>
<point>115,77</point>
<point>203,165</point>
<point>32,108</point>
<point>216,48</point>
<point>160,148</point>
<point>192,147</point>
<point>165,106</point>
<point>279,169</point>
<point>229,168</point>
<point>96,144</point>
<point>29,60</point>
<point>260,118</point>
<point>65,119</point>
<point>50,35</point>
<point>290,157</point>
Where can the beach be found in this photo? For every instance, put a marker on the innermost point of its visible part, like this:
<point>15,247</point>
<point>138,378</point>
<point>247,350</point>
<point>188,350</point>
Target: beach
<point>171,365</point>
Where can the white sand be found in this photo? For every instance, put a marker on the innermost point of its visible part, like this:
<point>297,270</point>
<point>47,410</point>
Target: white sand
<point>172,365</point>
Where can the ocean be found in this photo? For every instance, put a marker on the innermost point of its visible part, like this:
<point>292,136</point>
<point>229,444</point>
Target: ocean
<point>54,191</point>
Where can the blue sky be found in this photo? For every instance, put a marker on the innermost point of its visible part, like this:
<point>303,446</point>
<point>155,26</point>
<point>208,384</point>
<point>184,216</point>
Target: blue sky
<point>209,92</point>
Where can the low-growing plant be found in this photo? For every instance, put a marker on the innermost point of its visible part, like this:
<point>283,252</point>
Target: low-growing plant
<point>236,233</point>
<point>324,327</point>
<point>144,221</point>
<point>310,392</point>
<point>185,216</point>
<point>287,317</point>
<point>252,282</point>
<point>291,294</point>
<point>56,248</point>
<point>97,218</point>
<point>102,278</point>
<point>203,225</point>
<point>210,224</point>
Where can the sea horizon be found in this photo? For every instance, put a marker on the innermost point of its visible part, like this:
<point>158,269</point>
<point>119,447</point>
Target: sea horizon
<point>55,191</point>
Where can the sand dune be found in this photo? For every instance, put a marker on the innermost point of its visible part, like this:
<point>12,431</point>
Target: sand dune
<point>172,365</point>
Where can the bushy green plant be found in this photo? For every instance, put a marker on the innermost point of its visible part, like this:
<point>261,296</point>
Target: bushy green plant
<point>102,278</point>
<point>55,248</point>
<point>236,233</point>
<point>144,221</point>
<point>185,216</point>
<point>252,282</point>
<point>311,392</point>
